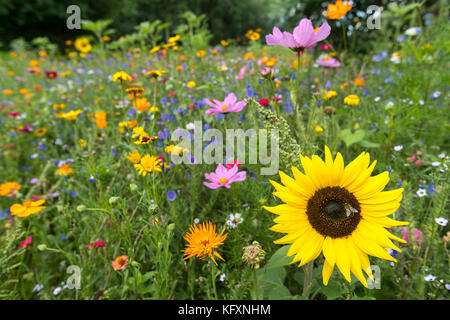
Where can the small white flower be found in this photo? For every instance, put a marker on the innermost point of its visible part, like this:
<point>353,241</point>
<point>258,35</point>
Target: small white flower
<point>441,156</point>
<point>421,193</point>
<point>398,148</point>
<point>436,94</point>
<point>190,126</point>
<point>413,31</point>
<point>441,221</point>
<point>436,164</point>
<point>38,288</point>
<point>377,99</point>
<point>222,277</point>
<point>57,291</point>
<point>447,286</point>
<point>429,278</point>
<point>196,220</point>
<point>234,220</point>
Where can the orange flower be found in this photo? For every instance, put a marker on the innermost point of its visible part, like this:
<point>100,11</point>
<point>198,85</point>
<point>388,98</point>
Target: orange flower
<point>141,104</point>
<point>358,81</point>
<point>100,119</point>
<point>29,207</point>
<point>120,262</point>
<point>9,188</point>
<point>338,10</point>
<point>203,241</point>
<point>64,170</point>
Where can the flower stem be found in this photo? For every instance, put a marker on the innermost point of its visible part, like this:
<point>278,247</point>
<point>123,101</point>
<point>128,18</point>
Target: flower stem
<point>213,279</point>
<point>255,286</point>
<point>307,282</point>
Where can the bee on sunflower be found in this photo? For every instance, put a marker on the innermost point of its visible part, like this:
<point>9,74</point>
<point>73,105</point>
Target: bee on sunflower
<point>338,211</point>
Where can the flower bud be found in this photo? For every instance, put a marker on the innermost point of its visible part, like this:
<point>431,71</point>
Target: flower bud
<point>253,255</point>
<point>81,208</point>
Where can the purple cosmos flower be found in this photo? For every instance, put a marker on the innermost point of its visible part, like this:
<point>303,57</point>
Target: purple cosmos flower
<point>223,177</point>
<point>230,104</point>
<point>304,36</point>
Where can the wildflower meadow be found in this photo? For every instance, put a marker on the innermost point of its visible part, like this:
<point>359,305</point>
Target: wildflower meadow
<point>305,159</point>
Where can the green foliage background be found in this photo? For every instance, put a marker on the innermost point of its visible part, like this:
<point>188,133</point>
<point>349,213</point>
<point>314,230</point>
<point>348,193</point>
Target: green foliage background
<point>227,19</point>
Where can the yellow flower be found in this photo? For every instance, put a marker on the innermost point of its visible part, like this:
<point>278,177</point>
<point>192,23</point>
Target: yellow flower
<point>71,115</point>
<point>224,43</point>
<point>121,76</point>
<point>9,188</point>
<point>134,157</point>
<point>7,92</point>
<point>351,100</point>
<point>40,132</point>
<point>155,49</point>
<point>248,56</point>
<point>155,73</point>
<point>82,142</point>
<point>329,94</point>
<point>64,170</point>
<point>175,150</point>
<point>148,164</point>
<point>338,211</point>
<point>191,84</point>
<point>203,241</point>
<point>154,109</point>
<point>83,45</point>
<point>29,207</point>
<point>318,130</point>
<point>201,53</point>
<point>174,39</point>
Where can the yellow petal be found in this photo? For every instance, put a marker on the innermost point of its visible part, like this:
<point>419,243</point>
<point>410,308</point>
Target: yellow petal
<point>327,270</point>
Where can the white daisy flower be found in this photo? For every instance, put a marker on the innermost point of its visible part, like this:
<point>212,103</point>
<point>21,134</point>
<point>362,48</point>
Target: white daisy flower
<point>398,148</point>
<point>441,221</point>
<point>421,193</point>
<point>429,278</point>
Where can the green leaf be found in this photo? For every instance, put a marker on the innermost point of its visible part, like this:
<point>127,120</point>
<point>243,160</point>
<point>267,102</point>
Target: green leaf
<point>279,258</point>
<point>368,144</point>
<point>351,138</point>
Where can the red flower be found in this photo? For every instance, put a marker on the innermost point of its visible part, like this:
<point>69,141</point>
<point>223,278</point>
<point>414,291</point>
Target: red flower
<point>51,74</point>
<point>25,243</point>
<point>264,102</point>
<point>171,94</point>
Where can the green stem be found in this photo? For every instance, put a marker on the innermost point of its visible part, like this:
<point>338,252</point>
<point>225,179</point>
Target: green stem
<point>307,283</point>
<point>255,295</point>
<point>344,36</point>
<point>213,279</point>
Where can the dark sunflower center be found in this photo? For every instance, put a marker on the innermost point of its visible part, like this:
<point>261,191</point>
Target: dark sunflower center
<point>333,212</point>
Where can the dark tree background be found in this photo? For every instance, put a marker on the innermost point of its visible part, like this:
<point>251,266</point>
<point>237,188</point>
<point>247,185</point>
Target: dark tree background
<point>227,19</point>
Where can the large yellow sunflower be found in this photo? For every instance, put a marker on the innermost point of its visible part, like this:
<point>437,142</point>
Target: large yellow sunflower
<point>340,211</point>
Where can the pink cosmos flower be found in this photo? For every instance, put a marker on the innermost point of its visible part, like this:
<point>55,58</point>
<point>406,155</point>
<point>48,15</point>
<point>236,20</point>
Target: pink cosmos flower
<point>230,104</point>
<point>304,36</point>
<point>224,177</point>
<point>328,61</point>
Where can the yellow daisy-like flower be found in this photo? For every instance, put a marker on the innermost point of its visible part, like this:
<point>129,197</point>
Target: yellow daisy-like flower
<point>191,84</point>
<point>29,207</point>
<point>134,157</point>
<point>121,76</point>
<point>339,211</point>
<point>351,100</point>
<point>40,132</point>
<point>9,188</point>
<point>202,242</point>
<point>155,73</point>
<point>175,150</point>
<point>148,164</point>
<point>83,45</point>
<point>329,94</point>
